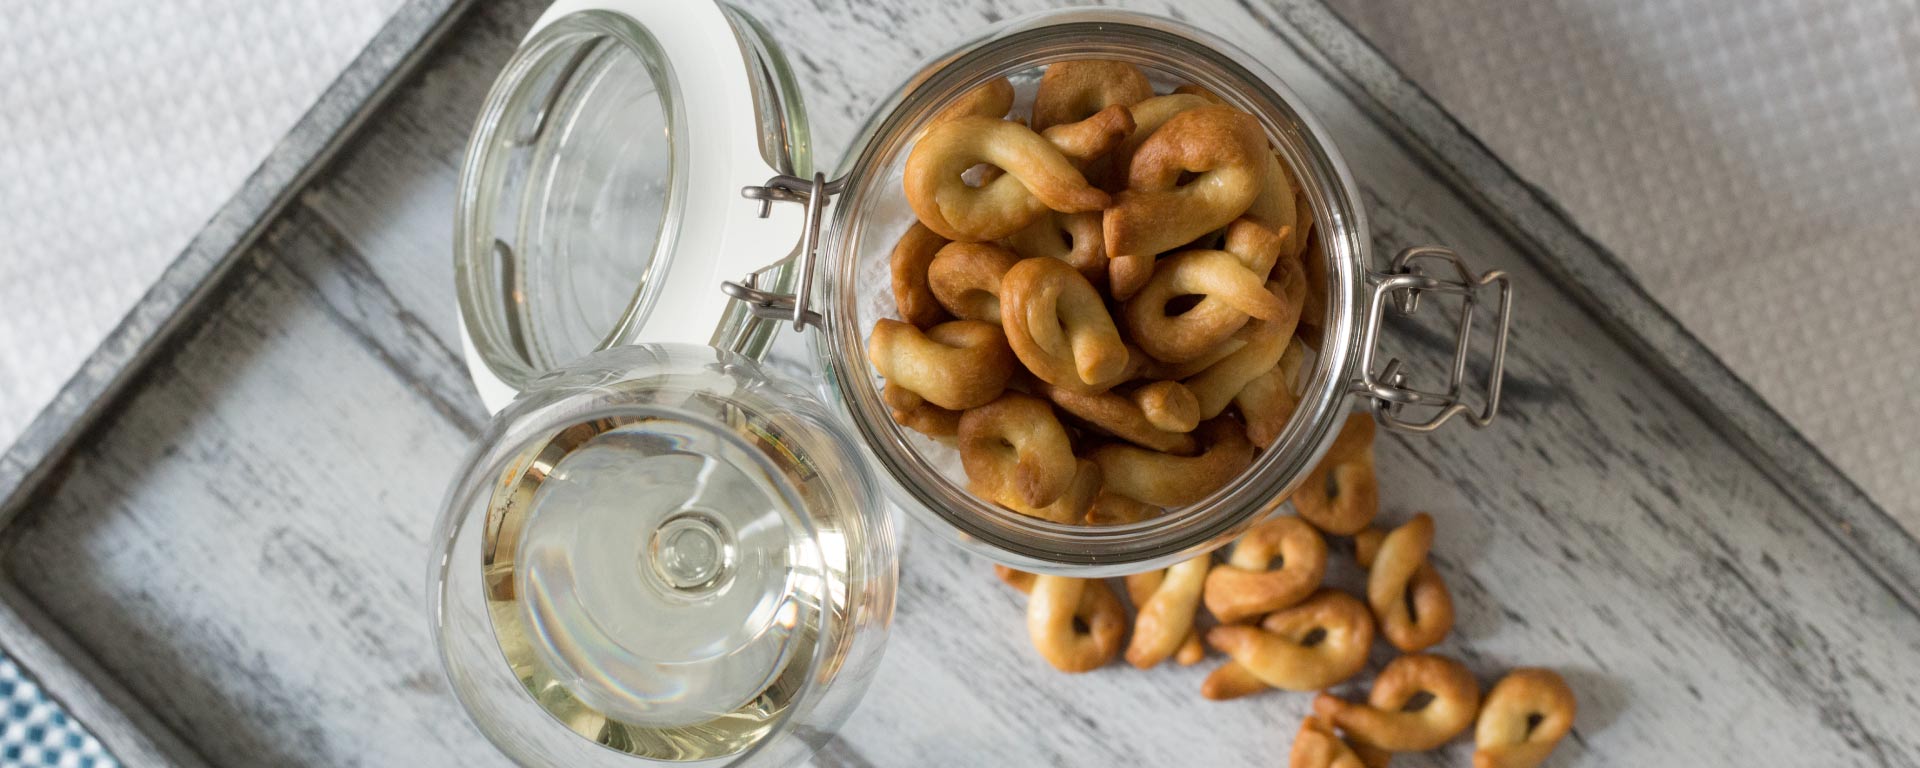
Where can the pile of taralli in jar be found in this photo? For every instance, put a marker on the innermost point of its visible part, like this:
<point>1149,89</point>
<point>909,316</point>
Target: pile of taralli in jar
<point>1106,308</point>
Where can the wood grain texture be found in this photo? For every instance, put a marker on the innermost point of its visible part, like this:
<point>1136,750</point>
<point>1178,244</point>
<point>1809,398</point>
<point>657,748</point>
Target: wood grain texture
<point>242,544</point>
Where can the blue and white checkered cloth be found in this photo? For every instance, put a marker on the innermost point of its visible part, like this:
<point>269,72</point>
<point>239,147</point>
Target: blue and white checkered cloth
<point>35,732</point>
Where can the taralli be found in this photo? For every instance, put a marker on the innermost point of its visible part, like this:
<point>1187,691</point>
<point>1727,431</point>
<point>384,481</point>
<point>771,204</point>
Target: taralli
<point>1313,316</point>
<point>1053,606</point>
<point>1167,480</point>
<point>965,278</point>
<point>1317,746</point>
<point>1038,177</point>
<point>1230,681</point>
<point>1194,90</point>
<point>1257,247</point>
<point>993,98</point>
<point>1308,647</point>
<point>1059,327</point>
<point>1248,586</point>
<point>1385,722</point>
<point>1015,445</point>
<point>956,365</point>
<point>1165,621</point>
<point>1072,90</point>
<point>911,293</point>
<point>1274,209</point>
<point>1118,415</point>
<point>1267,341</point>
<point>1144,366</point>
<point>1073,507</point>
<point>1020,580</point>
<point>1353,500</point>
<point>1406,592</point>
<point>914,412</point>
<point>1168,405</point>
<point>1156,213</point>
<point>1230,296</point>
<point>1092,138</point>
<point>1268,401</point>
<point>1140,588</point>
<point>1114,509</point>
<point>1522,719</point>
<point>1074,238</point>
<point>1148,116</point>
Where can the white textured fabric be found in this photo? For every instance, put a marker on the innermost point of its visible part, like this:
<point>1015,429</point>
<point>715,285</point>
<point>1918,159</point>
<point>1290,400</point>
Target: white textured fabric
<point>1756,163</point>
<point>124,125</point>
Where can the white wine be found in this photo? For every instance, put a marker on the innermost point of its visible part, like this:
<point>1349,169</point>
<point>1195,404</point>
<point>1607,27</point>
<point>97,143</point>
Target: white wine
<point>664,583</point>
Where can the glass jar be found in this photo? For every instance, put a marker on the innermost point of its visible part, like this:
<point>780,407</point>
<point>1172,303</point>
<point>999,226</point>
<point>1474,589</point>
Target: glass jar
<point>640,175</point>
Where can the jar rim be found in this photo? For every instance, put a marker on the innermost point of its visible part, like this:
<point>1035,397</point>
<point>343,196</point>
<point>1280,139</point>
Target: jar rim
<point>1200,58</point>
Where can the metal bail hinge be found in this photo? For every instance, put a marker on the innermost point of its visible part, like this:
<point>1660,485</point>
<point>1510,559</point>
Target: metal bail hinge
<point>1405,282</point>
<point>814,193</point>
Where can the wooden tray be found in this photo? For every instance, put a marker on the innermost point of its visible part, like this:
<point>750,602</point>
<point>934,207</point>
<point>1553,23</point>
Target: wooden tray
<point>228,566</point>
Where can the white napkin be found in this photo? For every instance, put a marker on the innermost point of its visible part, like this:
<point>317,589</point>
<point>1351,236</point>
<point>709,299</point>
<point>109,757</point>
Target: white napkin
<point>124,125</point>
<point>1756,163</point>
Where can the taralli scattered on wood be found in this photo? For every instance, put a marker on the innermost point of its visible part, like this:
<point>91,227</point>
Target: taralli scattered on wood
<point>1354,499</point>
<point>1165,619</point>
<point>1014,444</point>
<point>993,98</point>
<point>1229,297</point>
<point>1405,590</point>
<point>1140,587</point>
<point>1267,341</point>
<point>911,293</point>
<point>1385,723</point>
<point>1074,238</point>
<point>1058,325</point>
<point>955,365</point>
<point>1522,719</point>
<point>1038,177</point>
<point>1168,480</point>
<point>1317,746</point>
<point>1070,91</point>
<point>1156,213</point>
<point>965,279</point>
<point>1118,415</point>
<point>1268,401</point>
<point>1247,586</point>
<point>914,412</point>
<point>1307,647</point>
<point>1053,605</point>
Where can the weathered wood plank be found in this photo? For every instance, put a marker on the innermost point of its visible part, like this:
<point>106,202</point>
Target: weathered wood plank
<point>242,545</point>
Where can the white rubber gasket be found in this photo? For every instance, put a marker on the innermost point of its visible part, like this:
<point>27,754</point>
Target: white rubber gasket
<point>719,234</point>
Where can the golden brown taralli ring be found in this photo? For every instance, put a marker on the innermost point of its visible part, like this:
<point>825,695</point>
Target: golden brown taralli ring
<point>1385,722</point>
<point>908,263</point>
<point>965,279</point>
<point>1070,91</point>
<point>956,365</point>
<point>1052,608</point>
<point>1246,587</point>
<point>1355,498</point>
<point>1016,443</point>
<point>1175,481</point>
<point>1523,718</point>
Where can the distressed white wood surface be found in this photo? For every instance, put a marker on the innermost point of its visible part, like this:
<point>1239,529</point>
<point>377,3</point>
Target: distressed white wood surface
<point>242,545</point>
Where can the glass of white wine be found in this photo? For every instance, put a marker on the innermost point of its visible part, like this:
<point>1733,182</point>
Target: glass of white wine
<point>662,552</point>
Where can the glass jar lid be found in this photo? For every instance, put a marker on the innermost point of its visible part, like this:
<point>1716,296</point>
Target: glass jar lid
<point>599,202</point>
